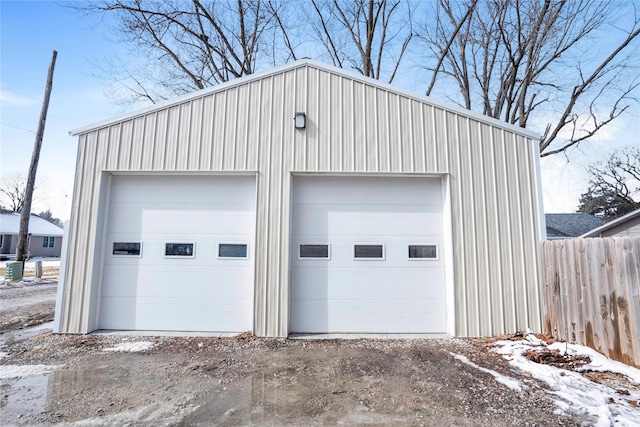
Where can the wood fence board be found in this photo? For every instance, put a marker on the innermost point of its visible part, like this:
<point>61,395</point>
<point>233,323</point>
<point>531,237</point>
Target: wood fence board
<point>592,294</point>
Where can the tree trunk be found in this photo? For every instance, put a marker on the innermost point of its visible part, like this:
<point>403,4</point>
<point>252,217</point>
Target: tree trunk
<point>25,214</point>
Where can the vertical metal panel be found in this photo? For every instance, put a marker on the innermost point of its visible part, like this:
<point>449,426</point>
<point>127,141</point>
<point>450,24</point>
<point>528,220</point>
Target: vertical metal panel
<point>160,138</point>
<point>195,135</point>
<point>149,142</point>
<point>137,147</point>
<point>183,141</point>
<point>352,126</point>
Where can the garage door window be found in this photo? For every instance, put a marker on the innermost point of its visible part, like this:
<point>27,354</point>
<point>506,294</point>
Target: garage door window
<point>423,252</point>
<point>233,250</point>
<point>127,248</point>
<point>179,250</point>
<point>363,252</point>
<point>314,251</point>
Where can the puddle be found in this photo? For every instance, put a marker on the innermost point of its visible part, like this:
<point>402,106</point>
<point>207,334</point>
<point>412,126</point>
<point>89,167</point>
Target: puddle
<point>10,337</point>
<point>286,397</point>
<point>30,400</point>
<point>110,395</point>
<point>264,398</point>
<point>23,399</point>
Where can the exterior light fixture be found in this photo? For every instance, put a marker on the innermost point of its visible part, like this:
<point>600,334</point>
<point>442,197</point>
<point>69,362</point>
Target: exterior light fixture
<point>300,120</point>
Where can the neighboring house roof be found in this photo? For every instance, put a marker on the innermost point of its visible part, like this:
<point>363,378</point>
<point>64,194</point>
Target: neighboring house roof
<point>10,224</point>
<point>567,225</point>
<point>596,232</point>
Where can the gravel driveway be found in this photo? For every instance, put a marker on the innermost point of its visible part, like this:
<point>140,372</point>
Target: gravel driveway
<point>247,381</point>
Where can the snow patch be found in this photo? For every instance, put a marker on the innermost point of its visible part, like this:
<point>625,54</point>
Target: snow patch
<point>599,362</point>
<point>154,414</point>
<point>502,379</point>
<point>4,355</point>
<point>577,393</point>
<point>20,371</point>
<point>131,347</point>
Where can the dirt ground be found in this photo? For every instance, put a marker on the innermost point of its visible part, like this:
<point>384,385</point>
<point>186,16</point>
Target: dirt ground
<point>203,381</point>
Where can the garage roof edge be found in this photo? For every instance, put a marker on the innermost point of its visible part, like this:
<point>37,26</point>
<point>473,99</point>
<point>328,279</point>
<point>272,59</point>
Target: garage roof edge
<point>321,66</point>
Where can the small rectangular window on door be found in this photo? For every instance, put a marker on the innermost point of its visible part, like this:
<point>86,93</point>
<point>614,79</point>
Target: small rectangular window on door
<point>233,250</point>
<point>375,252</point>
<point>316,251</point>
<point>127,248</point>
<point>423,252</point>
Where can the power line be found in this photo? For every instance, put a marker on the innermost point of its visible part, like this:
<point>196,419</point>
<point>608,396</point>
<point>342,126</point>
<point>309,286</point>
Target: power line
<point>17,127</point>
<point>17,93</point>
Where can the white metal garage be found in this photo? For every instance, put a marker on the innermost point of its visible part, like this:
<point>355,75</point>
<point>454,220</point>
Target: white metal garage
<point>403,152</point>
<point>367,255</point>
<point>178,253</point>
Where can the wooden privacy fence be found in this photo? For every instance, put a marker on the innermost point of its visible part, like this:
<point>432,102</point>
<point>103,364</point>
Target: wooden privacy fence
<point>592,294</point>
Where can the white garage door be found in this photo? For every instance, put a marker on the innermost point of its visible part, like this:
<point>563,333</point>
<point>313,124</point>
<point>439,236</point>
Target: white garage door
<point>179,254</point>
<point>367,255</point>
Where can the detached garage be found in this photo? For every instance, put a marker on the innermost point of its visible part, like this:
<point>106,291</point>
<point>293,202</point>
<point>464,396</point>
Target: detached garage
<point>375,210</point>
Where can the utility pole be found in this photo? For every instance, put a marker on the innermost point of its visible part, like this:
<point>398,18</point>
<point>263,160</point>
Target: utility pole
<point>33,167</point>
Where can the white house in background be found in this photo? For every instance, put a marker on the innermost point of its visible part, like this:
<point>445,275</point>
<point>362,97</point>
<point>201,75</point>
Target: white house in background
<point>45,238</point>
<point>304,199</point>
<point>626,225</point>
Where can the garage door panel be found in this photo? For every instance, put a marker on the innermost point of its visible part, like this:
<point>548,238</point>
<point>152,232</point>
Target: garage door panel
<point>222,283</point>
<point>366,190</point>
<point>166,314</point>
<point>374,307</point>
<point>181,189</point>
<point>144,219</point>
<point>386,287</point>
<point>342,256</point>
<point>153,250</point>
<point>343,316</point>
<point>379,220</point>
<point>193,293</point>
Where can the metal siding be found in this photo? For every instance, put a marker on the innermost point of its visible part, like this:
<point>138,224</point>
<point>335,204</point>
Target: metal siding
<point>458,205</point>
<point>137,147</point>
<point>195,135</point>
<point>183,140</point>
<point>334,125</point>
<point>324,132</point>
<point>148,142</point>
<point>352,126</point>
<point>160,137</point>
<point>505,239</point>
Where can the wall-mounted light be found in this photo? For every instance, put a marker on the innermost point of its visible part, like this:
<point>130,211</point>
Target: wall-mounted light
<point>300,120</point>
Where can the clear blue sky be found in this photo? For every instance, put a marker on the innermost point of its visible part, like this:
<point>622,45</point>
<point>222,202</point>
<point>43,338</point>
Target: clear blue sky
<point>30,30</point>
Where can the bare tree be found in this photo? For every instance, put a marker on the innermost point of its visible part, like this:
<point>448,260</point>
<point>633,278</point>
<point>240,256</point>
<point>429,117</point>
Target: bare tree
<point>532,62</point>
<point>614,186</point>
<point>184,46</point>
<point>13,192</point>
<point>188,45</point>
<point>48,216</point>
<point>371,36</point>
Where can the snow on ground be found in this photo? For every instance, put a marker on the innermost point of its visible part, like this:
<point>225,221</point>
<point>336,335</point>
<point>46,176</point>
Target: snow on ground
<point>578,394</point>
<point>20,371</point>
<point>31,264</point>
<point>502,379</point>
<point>131,347</point>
